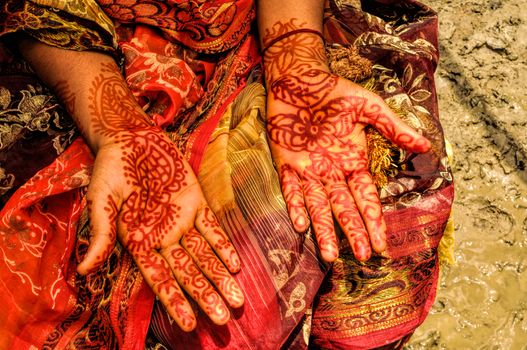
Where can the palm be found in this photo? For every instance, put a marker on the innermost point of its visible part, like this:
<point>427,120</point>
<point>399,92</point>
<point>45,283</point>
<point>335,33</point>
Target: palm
<point>316,124</point>
<point>142,181</point>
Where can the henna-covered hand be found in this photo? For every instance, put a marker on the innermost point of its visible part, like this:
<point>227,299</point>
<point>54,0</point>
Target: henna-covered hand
<point>144,193</point>
<point>142,190</point>
<point>316,123</point>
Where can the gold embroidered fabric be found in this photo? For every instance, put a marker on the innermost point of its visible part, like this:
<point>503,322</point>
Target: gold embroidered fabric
<point>75,25</point>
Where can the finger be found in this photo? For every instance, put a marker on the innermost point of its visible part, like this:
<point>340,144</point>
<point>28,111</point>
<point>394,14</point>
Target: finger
<point>350,220</point>
<point>367,200</point>
<point>209,227</point>
<point>158,275</point>
<point>200,250</point>
<point>294,198</point>
<point>102,212</point>
<point>322,219</point>
<point>378,114</point>
<point>191,279</point>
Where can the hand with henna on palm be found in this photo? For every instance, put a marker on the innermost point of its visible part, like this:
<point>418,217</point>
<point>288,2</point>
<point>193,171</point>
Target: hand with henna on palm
<point>142,191</point>
<point>316,122</point>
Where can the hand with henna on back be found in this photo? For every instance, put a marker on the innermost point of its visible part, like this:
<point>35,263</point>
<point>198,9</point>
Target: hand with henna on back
<point>316,123</point>
<point>142,191</point>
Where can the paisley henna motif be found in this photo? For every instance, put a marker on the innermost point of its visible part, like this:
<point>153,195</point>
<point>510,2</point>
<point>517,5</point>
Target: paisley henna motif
<point>154,197</point>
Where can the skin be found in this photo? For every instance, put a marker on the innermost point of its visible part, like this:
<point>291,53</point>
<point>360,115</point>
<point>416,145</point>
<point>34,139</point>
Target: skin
<point>316,123</point>
<point>142,191</point>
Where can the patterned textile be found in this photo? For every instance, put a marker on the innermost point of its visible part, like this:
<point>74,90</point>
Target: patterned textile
<point>365,305</point>
<point>204,26</point>
<point>273,253</point>
<point>213,110</point>
<point>48,305</point>
<point>76,25</point>
<point>32,124</point>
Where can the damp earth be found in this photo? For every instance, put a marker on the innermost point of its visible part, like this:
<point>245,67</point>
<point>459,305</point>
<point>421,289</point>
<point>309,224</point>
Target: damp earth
<point>482,86</point>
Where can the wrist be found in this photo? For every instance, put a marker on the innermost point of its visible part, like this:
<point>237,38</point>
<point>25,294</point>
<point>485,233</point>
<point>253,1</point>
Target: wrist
<point>269,42</point>
<point>294,53</point>
<point>106,109</point>
<point>118,126</point>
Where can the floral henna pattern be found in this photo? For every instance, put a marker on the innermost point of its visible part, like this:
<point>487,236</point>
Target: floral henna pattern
<point>315,124</point>
<point>142,182</point>
<point>291,89</point>
<point>296,52</point>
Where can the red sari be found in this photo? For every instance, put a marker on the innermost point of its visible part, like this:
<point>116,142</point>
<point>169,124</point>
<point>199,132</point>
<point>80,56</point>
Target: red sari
<point>194,66</point>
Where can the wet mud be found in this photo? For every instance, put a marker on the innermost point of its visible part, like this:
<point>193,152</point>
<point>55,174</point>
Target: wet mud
<point>482,85</point>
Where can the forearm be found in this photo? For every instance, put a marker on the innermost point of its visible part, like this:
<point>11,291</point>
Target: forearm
<point>307,13</point>
<point>84,82</point>
<point>288,36</point>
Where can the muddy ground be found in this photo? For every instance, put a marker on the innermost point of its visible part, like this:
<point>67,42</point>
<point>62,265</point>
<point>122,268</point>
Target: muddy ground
<point>482,84</point>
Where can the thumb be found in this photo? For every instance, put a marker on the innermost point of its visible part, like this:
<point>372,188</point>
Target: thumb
<point>378,114</point>
<point>103,212</point>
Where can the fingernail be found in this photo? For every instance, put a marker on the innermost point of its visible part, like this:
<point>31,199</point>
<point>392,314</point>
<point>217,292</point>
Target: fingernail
<point>234,263</point>
<point>220,314</point>
<point>362,251</point>
<point>300,223</point>
<point>425,145</point>
<point>236,298</point>
<point>330,254</point>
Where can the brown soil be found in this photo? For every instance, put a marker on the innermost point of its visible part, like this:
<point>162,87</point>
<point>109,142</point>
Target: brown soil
<point>482,84</point>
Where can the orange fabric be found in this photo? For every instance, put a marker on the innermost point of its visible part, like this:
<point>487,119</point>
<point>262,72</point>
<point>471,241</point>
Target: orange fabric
<point>161,81</point>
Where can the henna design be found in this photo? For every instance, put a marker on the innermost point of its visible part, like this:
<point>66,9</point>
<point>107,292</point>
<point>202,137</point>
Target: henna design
<point>201,252</point>
<point>210,228</point>
<point>158,275</point>
<point>294,197</point>
<point>152,165</point>
<point>315,125</point>
<point>153,181</point>
<point>365,193</point>
<point>299,52</point>
<point>320,211</point>
<point>196,285</point>
<point>291,89</point>
<point>113,106</point>
<point>348,217</point>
